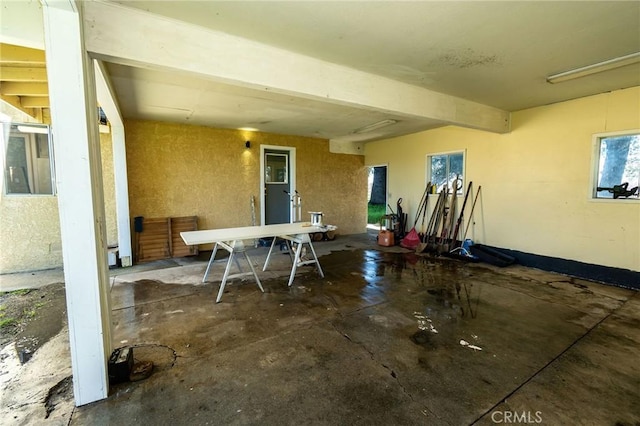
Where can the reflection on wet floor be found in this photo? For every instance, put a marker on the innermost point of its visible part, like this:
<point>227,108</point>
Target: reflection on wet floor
<point>440,297</point>
<point>454,339</point>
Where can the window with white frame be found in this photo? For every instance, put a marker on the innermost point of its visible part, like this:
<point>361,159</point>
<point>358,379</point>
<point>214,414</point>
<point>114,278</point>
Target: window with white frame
<point>443,168</point>
<point>28,159</point>
<point>617,161</point>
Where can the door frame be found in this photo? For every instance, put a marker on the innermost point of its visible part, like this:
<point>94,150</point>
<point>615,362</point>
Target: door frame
<point>292,176</point>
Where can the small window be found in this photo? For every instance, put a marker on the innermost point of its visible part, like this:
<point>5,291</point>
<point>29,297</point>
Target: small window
<point>618,166</point>
<point>28,163</point>
<point>442,169</point>
<point>277,167</point>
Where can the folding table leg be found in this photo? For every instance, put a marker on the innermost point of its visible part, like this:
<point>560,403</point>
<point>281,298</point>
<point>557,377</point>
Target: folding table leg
<point>296,260</point>
<point>238,262</point>
<point>213,256</point>
<point>253,270</point>
<point>266,262</point>
<point>317,261</point>
<point>226,274</point>
<point>289,249</point>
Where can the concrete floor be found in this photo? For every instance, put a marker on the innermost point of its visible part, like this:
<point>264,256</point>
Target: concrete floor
<point>387,337</point>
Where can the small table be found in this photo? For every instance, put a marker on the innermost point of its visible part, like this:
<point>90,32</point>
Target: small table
<point>231,239</point>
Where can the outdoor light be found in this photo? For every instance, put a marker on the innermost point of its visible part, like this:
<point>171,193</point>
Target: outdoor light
<point>247,144</point>
<point>610,64</point>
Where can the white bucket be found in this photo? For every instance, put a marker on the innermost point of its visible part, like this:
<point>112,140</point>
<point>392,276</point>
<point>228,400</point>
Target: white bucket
<point>316,218</point>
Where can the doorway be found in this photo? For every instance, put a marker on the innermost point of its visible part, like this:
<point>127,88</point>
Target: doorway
<point>377,200</point>
<point>277,182</point>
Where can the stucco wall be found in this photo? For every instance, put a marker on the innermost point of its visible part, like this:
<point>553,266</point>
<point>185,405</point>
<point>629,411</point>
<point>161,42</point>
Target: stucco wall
<point>30,227</point>
<point>29,233</point>
<point>536,180</point>
<point>183,170</point>
<point>109,188</point>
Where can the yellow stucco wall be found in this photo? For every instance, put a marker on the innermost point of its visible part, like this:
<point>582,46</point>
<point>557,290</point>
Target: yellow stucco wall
<point>30,227</point>
<point>536,180</point>
<point>183,170</point>
<point>536,183</point>
<point>109,188</point>
<point>29,233</point>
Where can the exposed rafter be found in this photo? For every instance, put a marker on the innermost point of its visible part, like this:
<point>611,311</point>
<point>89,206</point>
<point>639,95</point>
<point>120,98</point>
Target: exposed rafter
<point>10,54</point>
<point>15,102</point>
<point>23,80</point>
<point>35,101</point>
<point>13,88</point>
<point>23,74</point>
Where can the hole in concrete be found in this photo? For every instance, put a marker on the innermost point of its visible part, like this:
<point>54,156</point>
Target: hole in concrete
<point>162,356</point>
<point>62,391</point>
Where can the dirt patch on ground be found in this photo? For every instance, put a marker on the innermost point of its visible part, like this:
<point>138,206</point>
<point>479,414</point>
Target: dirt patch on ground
<point>31,317</point>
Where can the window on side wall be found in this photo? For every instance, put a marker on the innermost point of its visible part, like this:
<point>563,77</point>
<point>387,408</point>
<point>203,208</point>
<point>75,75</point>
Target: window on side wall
<point>443,168</point>
<point>617,166</point>
<point>28,159</point>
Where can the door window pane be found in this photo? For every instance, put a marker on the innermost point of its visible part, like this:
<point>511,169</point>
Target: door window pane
<point>276,168</point>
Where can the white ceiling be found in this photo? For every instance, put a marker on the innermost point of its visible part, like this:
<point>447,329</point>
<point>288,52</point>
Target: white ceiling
<point>167,96</point>
<point>498,53</point>
<point>495,53</point>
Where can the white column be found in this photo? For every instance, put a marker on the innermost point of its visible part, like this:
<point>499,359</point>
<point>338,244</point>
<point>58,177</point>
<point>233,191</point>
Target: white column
<point>107,100</point>
<point>122,195</point>
<point>80,198</point>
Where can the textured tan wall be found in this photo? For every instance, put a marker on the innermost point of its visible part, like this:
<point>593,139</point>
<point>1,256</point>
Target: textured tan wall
<point>106,152</point>
<point>29,233</point>
<point>30,227</point>
<point>182,170</point>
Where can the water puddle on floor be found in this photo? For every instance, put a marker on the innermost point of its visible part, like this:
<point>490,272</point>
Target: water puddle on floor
<point>447,282</point>
<point>438,294</point>
<point>432,301</point>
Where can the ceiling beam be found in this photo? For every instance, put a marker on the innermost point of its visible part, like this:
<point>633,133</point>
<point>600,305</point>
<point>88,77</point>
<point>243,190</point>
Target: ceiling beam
<point>35,101</point>
<point>14,101</point>
<point>134,37</point>
<point>13,88</point>
<point>27,74</point>
<point>106,95</point>
<point>10,54</point>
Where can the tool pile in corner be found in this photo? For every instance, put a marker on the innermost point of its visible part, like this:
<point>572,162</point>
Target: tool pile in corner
<point>442,232</point>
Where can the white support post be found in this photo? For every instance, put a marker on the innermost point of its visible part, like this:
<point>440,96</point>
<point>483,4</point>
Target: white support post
<point>122,195</point>
<point>80,198</point>
<point>107,100</point>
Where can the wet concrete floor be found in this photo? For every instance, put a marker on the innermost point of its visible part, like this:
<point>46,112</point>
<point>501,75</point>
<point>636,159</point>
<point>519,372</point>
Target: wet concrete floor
<point>384,338</point>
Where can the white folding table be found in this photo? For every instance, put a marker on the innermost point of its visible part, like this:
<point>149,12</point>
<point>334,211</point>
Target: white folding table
<point>231,239</point>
